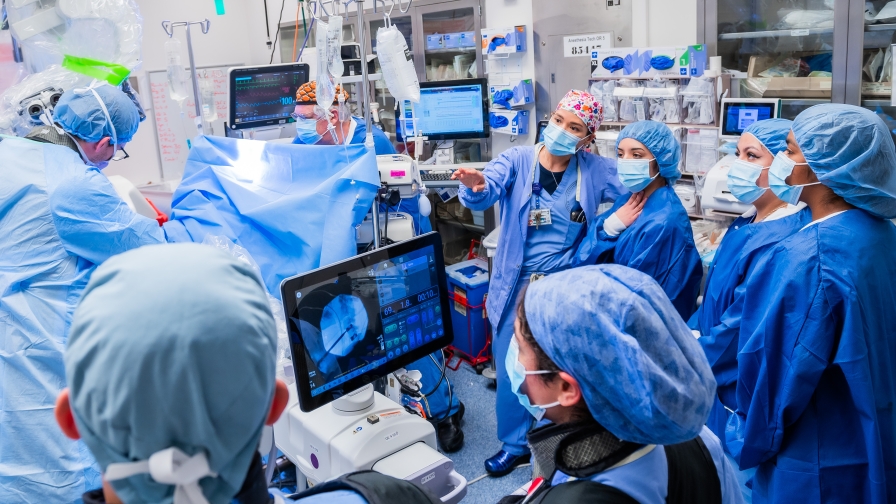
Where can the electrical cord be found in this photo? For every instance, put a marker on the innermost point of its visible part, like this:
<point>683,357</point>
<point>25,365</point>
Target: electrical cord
<point>277,35</point>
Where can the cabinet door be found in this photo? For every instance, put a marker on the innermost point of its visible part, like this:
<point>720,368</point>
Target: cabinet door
<point>439,58</point>
<point>871,64</point>
<point>794,50</point>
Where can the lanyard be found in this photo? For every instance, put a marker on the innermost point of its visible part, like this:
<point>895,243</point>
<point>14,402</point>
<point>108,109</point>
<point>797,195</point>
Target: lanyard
<point>535,189</point>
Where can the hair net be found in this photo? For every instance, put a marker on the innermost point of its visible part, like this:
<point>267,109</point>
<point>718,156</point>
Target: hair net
<point>851,151</point>
<point>658,139</point>
<point>644,376</point>
<point>585,107</point>
<point>80,113</point>
<point>173,346</point>
<point>771,133</point>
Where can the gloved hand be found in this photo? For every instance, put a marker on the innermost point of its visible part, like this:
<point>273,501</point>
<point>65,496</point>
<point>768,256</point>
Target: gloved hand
<point>502,98</point>
<point>497,121</point>
<point>495,43</point>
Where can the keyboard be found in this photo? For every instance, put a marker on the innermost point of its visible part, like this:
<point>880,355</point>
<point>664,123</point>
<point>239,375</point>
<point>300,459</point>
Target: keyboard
<point>439,176</point>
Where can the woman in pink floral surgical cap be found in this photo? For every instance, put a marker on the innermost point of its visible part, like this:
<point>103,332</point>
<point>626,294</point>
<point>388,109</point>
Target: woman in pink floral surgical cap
<point>548,193</point>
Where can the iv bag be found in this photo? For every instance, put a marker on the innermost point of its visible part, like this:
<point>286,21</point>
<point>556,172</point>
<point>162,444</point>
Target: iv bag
<point>177,78</point>
<point>397,64</point>
<point>326,85</point>
<point>207,94</point>
<point>334,46</point>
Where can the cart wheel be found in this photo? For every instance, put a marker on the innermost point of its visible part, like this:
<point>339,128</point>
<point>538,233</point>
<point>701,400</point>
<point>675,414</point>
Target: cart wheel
<point>479,368</point>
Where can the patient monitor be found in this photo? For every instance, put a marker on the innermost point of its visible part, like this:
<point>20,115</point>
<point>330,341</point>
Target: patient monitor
<point>737,115</point>
<point>350,324</point>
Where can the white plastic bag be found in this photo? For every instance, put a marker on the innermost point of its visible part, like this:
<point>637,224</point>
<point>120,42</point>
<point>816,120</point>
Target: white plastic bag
<point>397,64</point>
<point>326,85</point>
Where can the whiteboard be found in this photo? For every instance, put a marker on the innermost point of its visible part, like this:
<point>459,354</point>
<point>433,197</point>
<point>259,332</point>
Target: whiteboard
<point>172,130</point>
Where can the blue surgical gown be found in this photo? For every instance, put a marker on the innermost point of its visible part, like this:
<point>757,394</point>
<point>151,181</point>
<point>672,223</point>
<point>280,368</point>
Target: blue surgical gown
<point>647,479</point>
<point>659,243</point>
<point>816,386</point>
<point>59,219</point>
<point>718,317</point>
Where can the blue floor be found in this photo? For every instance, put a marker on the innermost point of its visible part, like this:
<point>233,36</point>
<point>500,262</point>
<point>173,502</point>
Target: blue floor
<point>480,439</point>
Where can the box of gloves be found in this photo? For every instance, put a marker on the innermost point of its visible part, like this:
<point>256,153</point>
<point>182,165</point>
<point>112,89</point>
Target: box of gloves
<point>509,122</point>
<point>515,94</point>
<point>504,40</point>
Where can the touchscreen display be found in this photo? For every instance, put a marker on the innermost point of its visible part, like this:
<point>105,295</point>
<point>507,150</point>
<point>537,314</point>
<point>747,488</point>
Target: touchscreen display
<point>360,320</point>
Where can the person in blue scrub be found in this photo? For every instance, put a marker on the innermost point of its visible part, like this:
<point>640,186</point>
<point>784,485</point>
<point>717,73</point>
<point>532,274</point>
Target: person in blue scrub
<point>650,230</point>
<point>315,127</point>
<point>816,371</point>
<point>60,217</point>
<point>548,194</point>
<point>189,433</point>
<point>770,220</point>
<point>601,353</point>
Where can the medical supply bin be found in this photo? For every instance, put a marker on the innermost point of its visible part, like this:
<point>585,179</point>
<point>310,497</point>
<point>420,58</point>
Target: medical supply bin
<point>468,289</point>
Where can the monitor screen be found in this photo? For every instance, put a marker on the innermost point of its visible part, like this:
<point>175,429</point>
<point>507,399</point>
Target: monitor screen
<point>449,110</point>
<point>264,96</point>
<point>737,116</point>
<point>361,319</point>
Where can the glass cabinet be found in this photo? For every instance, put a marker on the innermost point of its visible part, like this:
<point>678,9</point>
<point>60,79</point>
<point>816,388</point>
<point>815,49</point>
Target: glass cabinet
<point>785,49</point>
<point>806,51</point>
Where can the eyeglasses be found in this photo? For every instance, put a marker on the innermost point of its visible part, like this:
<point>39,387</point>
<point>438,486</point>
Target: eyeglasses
<point>343,112</point>
<point>120,155</point>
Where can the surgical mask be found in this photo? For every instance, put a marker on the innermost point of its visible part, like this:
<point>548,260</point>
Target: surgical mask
<point>742,181</point>
<point>560,142</point>
<point>781,168</point>
<point>635,173</point>
<point>306,130</point>
<point>518,374</point>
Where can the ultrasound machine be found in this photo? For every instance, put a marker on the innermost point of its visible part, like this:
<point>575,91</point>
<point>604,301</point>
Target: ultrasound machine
<point>353,325</point>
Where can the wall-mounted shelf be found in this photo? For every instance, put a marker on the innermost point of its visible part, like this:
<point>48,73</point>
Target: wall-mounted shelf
<point>776,33</point>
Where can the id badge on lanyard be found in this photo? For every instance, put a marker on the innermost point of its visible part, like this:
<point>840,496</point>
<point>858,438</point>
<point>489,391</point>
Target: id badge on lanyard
<point>538,216</point>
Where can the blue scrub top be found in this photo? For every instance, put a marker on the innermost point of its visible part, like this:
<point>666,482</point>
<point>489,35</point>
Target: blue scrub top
<point>659,243</point>
<point>816,382</point>
<point>647,479</point>
<point>600,184</point>
<point>551,248</point>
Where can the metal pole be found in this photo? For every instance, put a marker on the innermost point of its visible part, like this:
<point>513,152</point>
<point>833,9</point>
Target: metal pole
<point>196,97</point>
<point>365,105</point>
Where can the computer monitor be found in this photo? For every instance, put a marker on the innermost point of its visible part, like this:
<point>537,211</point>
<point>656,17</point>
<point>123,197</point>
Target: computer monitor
<point>264,95</point>
<point>358,320</point>
<point>740,113</point>
<point>449,110</point>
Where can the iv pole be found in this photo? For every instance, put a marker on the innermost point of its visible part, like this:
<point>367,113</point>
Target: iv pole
<point>168,26</point>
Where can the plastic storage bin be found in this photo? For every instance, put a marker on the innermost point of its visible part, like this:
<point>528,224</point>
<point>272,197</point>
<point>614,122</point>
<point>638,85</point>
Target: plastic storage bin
<point>467,288</point>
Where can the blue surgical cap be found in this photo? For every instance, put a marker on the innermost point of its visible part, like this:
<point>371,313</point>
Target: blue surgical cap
<point>80,113</point>
<point>772,133</point>
<point>643,374</point>
<point>173,346</point>
<point>658,139</point>
<point>851,151</point>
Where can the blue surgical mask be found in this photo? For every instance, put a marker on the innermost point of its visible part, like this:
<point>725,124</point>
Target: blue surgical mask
<point>306,130</point>
<point>635,173</point>
<point>781,168</point>
<point>742,177</point>
<point>560,142</point>
<point>517,373</point>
